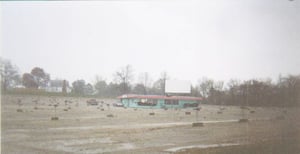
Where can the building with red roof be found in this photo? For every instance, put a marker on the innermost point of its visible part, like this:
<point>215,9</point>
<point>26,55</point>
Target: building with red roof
<point>159,101</point>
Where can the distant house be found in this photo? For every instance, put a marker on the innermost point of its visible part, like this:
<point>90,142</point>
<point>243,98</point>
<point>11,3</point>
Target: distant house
<point>88,89</point>
<point>57,86</point>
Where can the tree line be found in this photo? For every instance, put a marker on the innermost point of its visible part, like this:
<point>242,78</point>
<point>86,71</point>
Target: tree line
<point>255,92</point>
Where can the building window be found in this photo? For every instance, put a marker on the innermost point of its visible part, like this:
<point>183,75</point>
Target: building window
<point>147,102</point>
<point>171,102</point>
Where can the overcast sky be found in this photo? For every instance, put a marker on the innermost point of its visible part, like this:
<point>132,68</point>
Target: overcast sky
<point>219,39</point>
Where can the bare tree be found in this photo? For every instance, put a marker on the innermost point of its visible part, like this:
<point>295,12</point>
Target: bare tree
<point>195,91</point>
<point>205,86</point>
<point>145,80</point>
<point>233,86</point>
<point>219,85</point>
<point>139,89</point>
<point>293,85</point>
<point>124,76</point>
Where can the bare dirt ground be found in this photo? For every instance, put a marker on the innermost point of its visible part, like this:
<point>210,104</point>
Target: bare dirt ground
<point>26,127</point>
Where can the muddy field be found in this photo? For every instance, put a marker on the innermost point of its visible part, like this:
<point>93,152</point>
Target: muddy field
<point>27,127</point>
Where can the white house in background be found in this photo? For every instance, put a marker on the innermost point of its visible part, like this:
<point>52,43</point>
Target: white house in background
<point>57,86</point>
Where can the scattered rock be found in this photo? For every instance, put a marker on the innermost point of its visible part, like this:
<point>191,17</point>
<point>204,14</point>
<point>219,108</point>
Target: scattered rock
<point>198,109</point>
<point>243,120</point>
<point>151,113</point>
<point>54,118</point>
<point>187,113</point>
<point>197,124</point>
<point>110,115</point>
<point>244,107</point>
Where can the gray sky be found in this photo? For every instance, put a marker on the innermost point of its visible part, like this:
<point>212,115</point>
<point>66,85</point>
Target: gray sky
<point>219,39</point>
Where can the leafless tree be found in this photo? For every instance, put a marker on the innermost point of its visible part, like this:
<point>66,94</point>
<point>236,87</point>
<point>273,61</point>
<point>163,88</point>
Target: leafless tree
<point>124,76</point>
<point>233,86</point>
<point>163,77</point>
<point>145,80</point>
<point>205,86</point>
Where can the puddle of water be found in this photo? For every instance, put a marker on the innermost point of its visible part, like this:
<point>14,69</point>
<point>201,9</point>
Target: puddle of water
<point>201,146</point>
<point>111,148</point>
<point>85,141</point>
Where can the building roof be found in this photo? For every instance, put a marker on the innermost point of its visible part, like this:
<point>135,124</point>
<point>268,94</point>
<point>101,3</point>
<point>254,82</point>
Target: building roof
<point>160,97</point>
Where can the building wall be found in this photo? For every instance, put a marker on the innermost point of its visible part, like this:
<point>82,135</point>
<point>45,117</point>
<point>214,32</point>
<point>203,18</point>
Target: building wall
<point>57,89</point>
<point>133,103</point>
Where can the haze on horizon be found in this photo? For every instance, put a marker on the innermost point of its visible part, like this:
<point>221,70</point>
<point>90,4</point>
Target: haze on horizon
<point>219,39</point>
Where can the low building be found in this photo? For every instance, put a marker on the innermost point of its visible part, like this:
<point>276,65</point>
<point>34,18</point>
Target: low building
<point>57,86</point>
<point>159,101</point>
